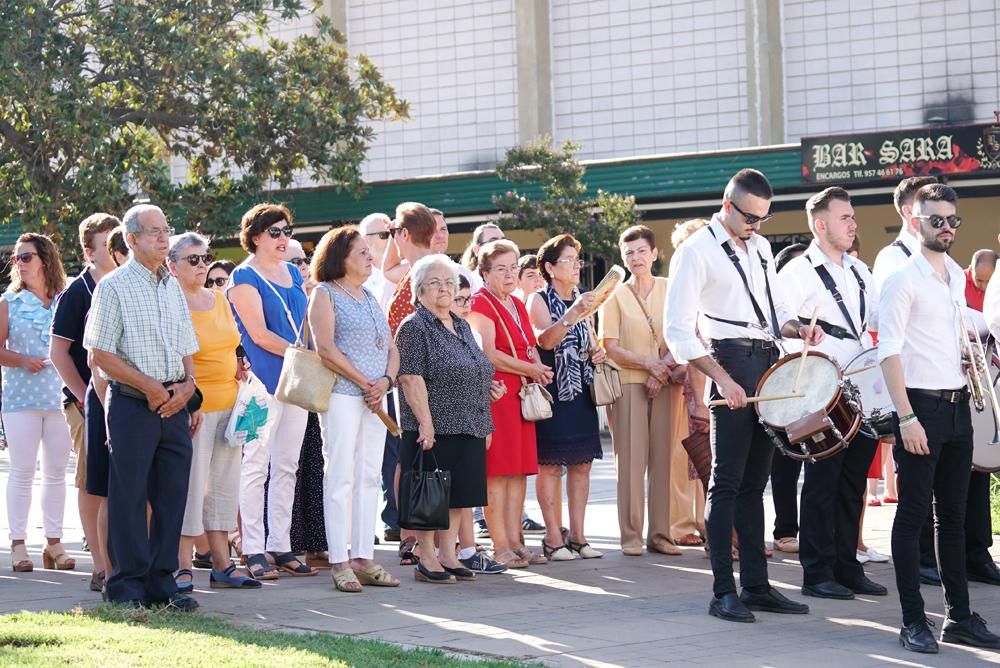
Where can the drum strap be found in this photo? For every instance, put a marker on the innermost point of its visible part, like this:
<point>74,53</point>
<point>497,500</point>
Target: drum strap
<point>901,246</point>
<point>731,253</point>
<point>831,285</point>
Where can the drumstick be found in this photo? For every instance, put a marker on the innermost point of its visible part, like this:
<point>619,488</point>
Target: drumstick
<point>753,400</point>
<point>861,370</point>
<point>389,423</point>
<point>805,351</point>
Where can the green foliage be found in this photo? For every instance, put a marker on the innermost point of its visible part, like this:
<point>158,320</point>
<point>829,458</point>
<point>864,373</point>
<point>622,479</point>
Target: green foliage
<point>98,95</point>
<point>995,502</point>
<point>563,205</point>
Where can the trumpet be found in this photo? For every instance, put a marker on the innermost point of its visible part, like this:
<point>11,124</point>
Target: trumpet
<point>978,370</point>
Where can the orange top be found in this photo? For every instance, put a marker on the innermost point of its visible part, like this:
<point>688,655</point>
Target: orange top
<point>215,361</point>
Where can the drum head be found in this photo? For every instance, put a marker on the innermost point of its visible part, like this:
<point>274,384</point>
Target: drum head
<point>875,400</point>
<point>820,383</point>
<point>986,455</point>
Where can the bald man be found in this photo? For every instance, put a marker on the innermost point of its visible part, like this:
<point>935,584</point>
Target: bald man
<point>977,277</point>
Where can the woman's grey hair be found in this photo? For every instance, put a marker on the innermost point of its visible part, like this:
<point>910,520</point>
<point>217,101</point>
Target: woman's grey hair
<point>423,267</point>
<point>180,242</point>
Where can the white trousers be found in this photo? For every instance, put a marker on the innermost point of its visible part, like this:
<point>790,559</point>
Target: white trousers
<point>280,456</point>
<point>353,443</point>
<point>214,485</point>
<point>27,432</point>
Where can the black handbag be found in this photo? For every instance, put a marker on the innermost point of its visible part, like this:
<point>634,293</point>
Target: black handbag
<point>424,496</point>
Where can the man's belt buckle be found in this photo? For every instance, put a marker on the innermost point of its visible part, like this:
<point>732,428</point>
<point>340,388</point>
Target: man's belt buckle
<point>953,396</point>
<point>766,344</point>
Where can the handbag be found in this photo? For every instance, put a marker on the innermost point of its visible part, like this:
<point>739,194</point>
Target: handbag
<point>424,496</point>
<point>607,386</point>
<point>304,380</point>
<point>251,418</point>
<point>536,402</point>
<point>699,450</point>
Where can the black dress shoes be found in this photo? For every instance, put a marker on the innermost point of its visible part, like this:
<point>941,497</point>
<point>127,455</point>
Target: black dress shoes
<point>917,637</point>
<point>866,587</point>
<point>181,603</point>
<point>970,631</point>
<point>929,576</point>
<point>828,589</point>
<point>986,572</point>
<point>772,601</point>
<point>730,608</point>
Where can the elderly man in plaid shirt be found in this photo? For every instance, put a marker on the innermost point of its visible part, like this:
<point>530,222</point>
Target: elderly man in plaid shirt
<point>141,337</point>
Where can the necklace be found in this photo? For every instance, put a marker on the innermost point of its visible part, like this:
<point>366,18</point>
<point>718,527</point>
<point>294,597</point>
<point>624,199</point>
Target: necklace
<point>379,341</point>
<point>512,310</point>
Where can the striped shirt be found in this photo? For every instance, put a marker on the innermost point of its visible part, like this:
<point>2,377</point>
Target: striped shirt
<point>143,319</point>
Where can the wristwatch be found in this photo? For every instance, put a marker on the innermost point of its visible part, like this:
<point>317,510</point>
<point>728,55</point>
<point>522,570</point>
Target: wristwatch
<point>389,379</point>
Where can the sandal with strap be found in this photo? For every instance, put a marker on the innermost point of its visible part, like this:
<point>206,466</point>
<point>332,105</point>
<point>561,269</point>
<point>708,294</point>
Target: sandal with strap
<point>375,576</point>
<point>285,560</point>
<point>406,555</point>
<point>510,559</point>
<point>346,581</point>
<point>19,560</point>
<point>259,569</point>
<point>584,550</point>
<point>184,587</point>
<point>230,579</point>
<point>533,558</point>
<point>557,552</point>
<point>54,556</point>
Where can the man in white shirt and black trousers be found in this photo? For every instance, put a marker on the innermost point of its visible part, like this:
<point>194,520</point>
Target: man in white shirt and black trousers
<point>723,287</point>
<point>840,289</point>
<point>921,357</point>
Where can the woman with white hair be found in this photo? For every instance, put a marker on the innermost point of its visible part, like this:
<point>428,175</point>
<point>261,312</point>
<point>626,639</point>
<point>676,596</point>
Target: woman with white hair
<point>214,483</point>
<point>446,386</point>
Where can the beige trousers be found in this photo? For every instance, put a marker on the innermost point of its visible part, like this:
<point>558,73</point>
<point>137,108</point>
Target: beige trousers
<point>644,432</point>
<point>687,497</point>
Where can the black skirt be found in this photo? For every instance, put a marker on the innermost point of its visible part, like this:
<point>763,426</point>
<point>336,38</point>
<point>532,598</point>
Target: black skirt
<point>463,455</point>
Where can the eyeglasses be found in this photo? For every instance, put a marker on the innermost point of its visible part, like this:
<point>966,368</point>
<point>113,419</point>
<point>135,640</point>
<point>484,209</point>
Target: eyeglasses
<point>937,222</point>
<point>577,262</point>
<point>193,260</point>
<point>274,231</point>
<point>385,234</point>
<point>437,284</point>
<point>217,282</point>
<point>462,301</point>
<point>299,261</point>
<point>751,219</point>
<point>500,269</point>
<point>22,258</point>
<point>158,232</point>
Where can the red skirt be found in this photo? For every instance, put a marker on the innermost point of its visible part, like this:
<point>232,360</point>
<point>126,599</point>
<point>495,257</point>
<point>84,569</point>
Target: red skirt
<point>512,449</point>
<point>875,469</point>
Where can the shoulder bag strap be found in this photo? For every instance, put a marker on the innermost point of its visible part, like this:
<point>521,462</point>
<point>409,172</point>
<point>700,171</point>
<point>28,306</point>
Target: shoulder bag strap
<point>288,313</point>
<point>634,289</point>
<point>507,332</point>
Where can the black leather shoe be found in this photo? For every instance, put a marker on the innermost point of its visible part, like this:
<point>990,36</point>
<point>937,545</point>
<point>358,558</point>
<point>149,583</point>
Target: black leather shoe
<point>929,576</point>
<point>773,601</point>
<point>917,637</point>
<point>986,572</point>
<point>866,587</point>
<point>970,631</point>
<point>730,608</point>
<point>181,603</point>
<point>828,589</point>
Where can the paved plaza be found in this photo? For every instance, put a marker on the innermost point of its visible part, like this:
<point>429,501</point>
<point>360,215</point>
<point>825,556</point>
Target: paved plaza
<point>615,611</point>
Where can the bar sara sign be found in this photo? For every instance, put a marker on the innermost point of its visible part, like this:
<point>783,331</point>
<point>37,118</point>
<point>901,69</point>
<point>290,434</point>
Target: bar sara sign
<point>894,155</point>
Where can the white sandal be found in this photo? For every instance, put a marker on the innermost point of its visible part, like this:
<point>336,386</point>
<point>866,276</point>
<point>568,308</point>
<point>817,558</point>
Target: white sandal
<point>19,560</point>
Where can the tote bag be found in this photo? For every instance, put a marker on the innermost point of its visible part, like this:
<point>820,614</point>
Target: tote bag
<point>424,496</point>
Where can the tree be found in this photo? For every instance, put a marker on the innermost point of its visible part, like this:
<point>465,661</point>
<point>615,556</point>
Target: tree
<point>99,95</point>
<point>561,205</point>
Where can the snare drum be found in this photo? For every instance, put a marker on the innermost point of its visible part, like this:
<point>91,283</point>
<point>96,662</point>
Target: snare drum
<point>864,374</point>
<point>817,425</point>
<point>986,453</point>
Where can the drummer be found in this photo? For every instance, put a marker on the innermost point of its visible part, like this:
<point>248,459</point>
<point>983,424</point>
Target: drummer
<point>740,310</point>
<point>839,288</point>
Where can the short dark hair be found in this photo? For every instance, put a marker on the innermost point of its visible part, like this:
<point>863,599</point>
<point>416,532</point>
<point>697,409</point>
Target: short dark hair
<point>418,220</point>
<point>907,188</point>
<point>329,258</point>
<point>552,249</point>
<point>935,192</point>
<point>748,182</point>
<point>525,263</point>
<point>787,254</point>
<point>116,243</point>
<point>94,224</point>
<point>258,219</point>
<point>225,265</point>
<point>463,282</point>
<point>820,202</point>
<point>637,232</point>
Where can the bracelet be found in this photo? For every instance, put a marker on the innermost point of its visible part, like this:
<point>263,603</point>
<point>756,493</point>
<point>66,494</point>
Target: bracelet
<point>907,417</point>
<point>389,379</point>
<point>908,422</point>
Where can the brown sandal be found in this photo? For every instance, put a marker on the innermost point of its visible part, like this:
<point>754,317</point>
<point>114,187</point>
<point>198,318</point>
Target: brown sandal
<point>346,581</point>
<point>376,576</point>
<point>406,556</point>
<point>510,559</point>
<point>54,556</point>
<point>19,559</point>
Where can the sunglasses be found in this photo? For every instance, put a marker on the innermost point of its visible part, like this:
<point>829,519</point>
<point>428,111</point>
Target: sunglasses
<point>381,235</point>
<point>194,259</point>
<point>275,232</point>
<point>751,219</point>
<point>299,261</point>
<point>23,258</point>
<point>937,222</point>
<point>217,282</point>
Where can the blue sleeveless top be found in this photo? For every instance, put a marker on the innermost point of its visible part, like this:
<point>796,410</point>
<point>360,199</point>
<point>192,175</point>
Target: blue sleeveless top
<point>360,325</point>
<point>28,333</point>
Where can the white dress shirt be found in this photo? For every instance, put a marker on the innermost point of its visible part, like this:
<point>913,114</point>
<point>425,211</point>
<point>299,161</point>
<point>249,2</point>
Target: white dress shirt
<point>704,281</point>
<point>381,287</point>
<point>892,258</point>
<point>918,320</point>
<point>804,291</point>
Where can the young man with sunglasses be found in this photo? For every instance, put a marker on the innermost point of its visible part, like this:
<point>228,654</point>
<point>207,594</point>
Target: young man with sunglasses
<point>920,350</point>
<point>723,289</point>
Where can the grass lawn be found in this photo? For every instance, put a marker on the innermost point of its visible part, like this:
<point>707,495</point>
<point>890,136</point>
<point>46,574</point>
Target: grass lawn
<point>995,501</point>
<point>106,636</point>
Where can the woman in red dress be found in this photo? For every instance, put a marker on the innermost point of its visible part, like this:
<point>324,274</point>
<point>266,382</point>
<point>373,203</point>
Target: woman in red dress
<point>500,319</point>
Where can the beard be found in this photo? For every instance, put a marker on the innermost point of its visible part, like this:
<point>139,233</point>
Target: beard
<point>938,245</point>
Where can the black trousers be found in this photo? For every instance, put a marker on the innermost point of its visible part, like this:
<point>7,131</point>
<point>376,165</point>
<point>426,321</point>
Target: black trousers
<point>978,526</point>
<point>942,477</point>
<point>785,495</point>
<point>832,498</point>
<point>150,460</point>
<point>741,465</point>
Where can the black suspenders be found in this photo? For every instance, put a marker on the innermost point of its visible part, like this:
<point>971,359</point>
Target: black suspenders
<point>731,253</point>
<point>831,285</point>
<point>901,246</point>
